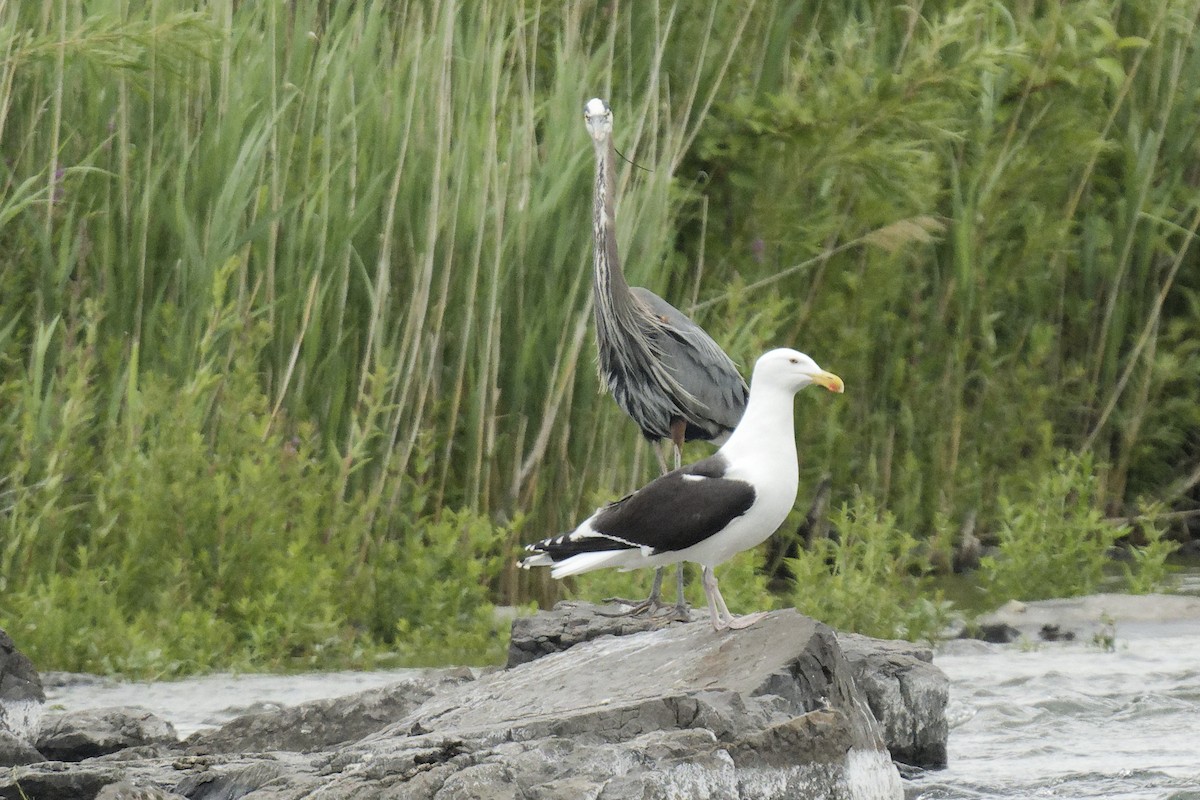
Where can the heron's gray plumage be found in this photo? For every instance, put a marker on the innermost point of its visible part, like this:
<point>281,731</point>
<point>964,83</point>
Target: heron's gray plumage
<point>659,365</point>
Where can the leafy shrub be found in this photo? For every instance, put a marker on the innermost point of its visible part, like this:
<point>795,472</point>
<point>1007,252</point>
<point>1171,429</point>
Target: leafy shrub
<point>870,577</point>
<point>217,536</point>
<point>1053,540</point>
<point>1147,570</point>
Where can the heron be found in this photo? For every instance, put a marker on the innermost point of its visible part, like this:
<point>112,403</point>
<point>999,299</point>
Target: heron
<point>663,370</point>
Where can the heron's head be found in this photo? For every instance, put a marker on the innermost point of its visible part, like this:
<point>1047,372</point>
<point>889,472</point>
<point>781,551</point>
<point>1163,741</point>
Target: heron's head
<point>598,118</point>
<point>792,370</point>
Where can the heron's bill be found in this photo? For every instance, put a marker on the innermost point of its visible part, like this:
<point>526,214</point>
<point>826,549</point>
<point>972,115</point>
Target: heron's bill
<point>830,381</point>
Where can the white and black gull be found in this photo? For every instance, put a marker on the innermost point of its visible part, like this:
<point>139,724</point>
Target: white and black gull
<point>708,511</point>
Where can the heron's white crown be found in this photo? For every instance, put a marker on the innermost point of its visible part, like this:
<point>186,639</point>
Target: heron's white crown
<point>595,107</point>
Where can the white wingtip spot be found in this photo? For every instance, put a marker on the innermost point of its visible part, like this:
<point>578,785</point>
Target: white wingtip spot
<point>694,478</point>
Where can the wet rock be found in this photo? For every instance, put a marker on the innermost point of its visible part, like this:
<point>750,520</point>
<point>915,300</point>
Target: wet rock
<point>14,751</point>
<point>322,723</point>
<point>21,698</point>
<point>54,780</point>
<point>76,735</point>
<point>770,711</point>
<point>126,790</point>
<point>58,680</point>
<point>232,783</point>
<point>1053,633</point>
<point>569,624</point>
<point>907,695</point>
<point>991,632</point>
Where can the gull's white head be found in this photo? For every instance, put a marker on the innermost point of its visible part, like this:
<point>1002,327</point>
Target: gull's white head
<point>792,370</point>
<point>598,118</point>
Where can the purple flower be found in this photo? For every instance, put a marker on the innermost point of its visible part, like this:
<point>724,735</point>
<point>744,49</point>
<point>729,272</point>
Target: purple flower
<point>58,193</point>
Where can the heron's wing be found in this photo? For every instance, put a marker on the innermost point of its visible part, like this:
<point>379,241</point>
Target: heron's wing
<point>676,511</point>
<point>697,363</point>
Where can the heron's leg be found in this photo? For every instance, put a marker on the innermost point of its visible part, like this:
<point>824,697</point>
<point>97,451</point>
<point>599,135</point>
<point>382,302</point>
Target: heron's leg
<point>682,611</point>
<point>678,429</point>
<point>652,603</point>
<point>662,460</point>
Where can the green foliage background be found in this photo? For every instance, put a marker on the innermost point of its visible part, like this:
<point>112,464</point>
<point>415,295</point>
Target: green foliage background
<point>295,340</point>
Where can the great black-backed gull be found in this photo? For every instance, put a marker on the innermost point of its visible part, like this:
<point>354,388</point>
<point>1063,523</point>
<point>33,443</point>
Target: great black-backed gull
<point>708,511</point>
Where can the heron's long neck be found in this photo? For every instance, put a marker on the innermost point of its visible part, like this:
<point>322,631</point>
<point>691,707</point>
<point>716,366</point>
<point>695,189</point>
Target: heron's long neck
<point>612,292</point>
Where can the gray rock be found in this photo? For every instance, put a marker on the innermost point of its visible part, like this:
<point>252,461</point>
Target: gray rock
<point>907,694</point>
<point>54,780</point>
<point>770,711</point>
<point>233,783</point>
<point>322,723</point>
<point>14,751</point>
<point>59,680</point>
<point>21,695</point>
<point>572,623</point>
<point>76,735</point>
<point>126,790</point>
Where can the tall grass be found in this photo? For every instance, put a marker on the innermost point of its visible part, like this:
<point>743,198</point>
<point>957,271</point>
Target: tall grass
<point>305,286</point>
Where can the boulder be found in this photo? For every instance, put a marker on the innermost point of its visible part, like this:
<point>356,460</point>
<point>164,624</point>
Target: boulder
<point>14,751</point>
<point>571,623</point>
<point>321,724</point>
<point>905,691</point>
<point>772,711</point>
<point>21,701</point>
<point>76,735</point>
<point>907,695</point>
<point>125,790</point>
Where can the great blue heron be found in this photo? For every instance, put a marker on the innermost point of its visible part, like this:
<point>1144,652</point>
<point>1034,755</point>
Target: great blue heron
<point>664,371</point>
<point>711,510</point>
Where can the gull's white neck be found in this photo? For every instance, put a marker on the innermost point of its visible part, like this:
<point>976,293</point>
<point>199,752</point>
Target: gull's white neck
<point>765,439</point>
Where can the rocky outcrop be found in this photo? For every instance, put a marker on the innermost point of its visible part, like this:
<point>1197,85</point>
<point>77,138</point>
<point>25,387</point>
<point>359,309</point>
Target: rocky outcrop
<point>905,691</point>
<point>14,751</point>
<point>320,724</point>
<point>675,710</point>
<point>572,623</point>
<point>78,735</point>
<point>907,694</point>
<point>21,702</point>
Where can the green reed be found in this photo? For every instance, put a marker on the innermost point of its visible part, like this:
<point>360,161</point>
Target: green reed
<point>286,289</point>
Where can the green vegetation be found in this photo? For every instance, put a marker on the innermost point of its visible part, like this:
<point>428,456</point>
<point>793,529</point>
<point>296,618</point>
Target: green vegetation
<point>873,578</point>
<point>1053,542</point>
<point>295,338</point>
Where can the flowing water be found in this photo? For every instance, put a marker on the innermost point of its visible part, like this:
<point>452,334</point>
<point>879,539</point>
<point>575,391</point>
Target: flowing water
<point>1073,719</point>
<point>1058,720</point>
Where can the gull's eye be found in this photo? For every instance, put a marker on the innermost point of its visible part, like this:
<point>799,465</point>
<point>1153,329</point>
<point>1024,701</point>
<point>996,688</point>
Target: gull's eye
<point>794,361</point>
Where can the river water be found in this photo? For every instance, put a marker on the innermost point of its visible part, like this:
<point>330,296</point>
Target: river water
<point>1073,719</point>
<point>1055,720</point>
